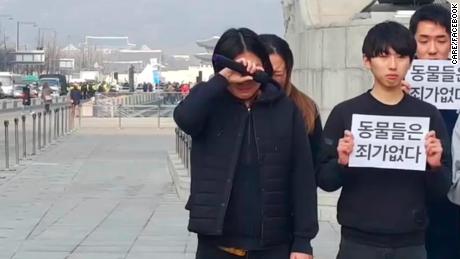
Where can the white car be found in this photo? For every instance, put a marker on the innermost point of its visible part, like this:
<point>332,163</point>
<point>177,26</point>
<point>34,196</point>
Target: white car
<point>18,91</point>
<point>8,81</point>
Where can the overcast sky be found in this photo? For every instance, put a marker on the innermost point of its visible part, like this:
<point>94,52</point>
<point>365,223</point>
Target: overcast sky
<point>172,25</point>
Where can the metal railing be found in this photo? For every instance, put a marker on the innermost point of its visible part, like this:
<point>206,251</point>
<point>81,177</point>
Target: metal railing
<point>135,110</point>
<point>184,147</point>
<point>34,132</point>
<point>15,105</point>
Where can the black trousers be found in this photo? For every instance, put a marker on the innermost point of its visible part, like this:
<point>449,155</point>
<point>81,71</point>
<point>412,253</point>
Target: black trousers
<point>352,250</point>
<point>207,251</point>
<point>443,233</point>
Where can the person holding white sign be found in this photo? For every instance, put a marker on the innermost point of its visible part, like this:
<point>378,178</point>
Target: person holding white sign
<point>431,27</point>
<point>382,211</point>
<point>454,194</point>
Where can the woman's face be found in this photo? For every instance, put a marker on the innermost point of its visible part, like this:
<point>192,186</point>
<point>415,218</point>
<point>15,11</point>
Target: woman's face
<point>248,89</point>
<point>279,69</point>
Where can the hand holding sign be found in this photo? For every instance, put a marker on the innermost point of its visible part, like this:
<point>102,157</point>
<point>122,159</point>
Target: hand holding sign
<point>433,150</point>
<point>391,142</point>
<point>345,148</point>
<point>405,86</point>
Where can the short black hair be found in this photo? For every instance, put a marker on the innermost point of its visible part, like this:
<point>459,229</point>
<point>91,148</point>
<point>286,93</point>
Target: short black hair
<point>386,35</point>
<point>435,13</point>
<point>237,41</point>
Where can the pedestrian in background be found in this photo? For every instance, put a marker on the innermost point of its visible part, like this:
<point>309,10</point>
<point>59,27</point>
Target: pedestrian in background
<point>84,90</point>
<point>75,97</point>
<point>184,90</point>
<point>47,96</point>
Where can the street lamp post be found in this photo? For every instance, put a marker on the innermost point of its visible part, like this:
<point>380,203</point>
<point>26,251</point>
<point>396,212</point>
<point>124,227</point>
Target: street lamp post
<point>51,47</point>
<point>41,35</point>
<point>3,40</point>
<point>18,24</point>
<point>7,16</point>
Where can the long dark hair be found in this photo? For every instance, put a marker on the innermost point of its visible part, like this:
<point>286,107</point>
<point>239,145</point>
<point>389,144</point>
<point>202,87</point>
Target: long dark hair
<point>237,41</point>
<point>277,45</point>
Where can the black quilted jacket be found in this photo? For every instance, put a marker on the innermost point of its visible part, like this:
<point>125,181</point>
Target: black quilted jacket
<point>216,120</point>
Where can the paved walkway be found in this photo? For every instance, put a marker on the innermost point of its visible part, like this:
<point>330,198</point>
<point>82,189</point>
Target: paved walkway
<point>103,193</point>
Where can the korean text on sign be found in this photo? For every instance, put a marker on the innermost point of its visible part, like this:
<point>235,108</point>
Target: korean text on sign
<point>436,82</point>
<point>390,142</point>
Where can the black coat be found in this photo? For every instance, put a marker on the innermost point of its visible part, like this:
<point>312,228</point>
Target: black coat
<point>215,120</point>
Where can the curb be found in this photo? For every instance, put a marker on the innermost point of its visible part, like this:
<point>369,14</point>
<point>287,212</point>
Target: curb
<point>179,175</point>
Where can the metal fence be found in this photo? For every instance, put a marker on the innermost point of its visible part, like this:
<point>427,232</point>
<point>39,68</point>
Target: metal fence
<point>15,105</point>
<point>25,132</point>
<point>28,133</point>
<point>183,147</point>
<point>136,110</point>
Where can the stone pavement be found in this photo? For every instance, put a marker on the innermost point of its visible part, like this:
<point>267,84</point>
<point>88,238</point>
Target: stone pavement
<point>103,193</point>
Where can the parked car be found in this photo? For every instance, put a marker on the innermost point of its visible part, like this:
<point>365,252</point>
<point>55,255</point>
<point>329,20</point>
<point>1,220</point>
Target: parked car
<point>62,82</point>
<point>2,94</point>
<point>53,83</point>
<point>8,81</point>
<point>18,91</point>
<point>124,88</point>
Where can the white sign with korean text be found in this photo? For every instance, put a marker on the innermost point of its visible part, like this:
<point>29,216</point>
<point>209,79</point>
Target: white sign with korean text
<point>436,82</point>
<point>390,142</point>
